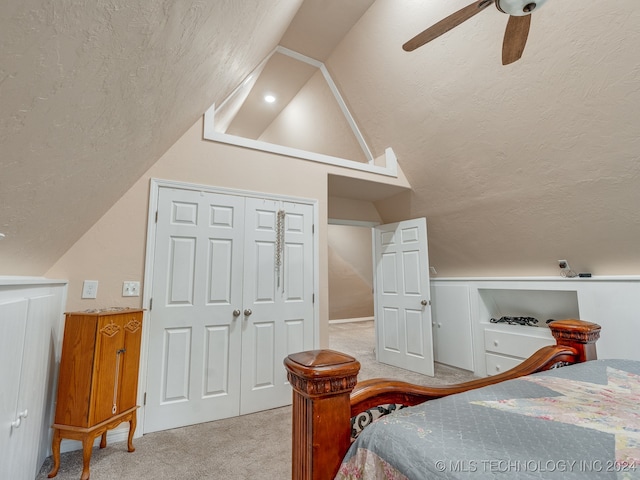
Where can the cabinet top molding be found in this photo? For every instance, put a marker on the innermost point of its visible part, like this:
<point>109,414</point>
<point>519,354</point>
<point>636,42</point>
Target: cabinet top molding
<point>106,311</point>
<point>595,278</point>
<point>7,280</point>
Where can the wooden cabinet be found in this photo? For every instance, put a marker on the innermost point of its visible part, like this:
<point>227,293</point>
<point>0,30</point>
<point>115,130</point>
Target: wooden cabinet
<point>98,381</point>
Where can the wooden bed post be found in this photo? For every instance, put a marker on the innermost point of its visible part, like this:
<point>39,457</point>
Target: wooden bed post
<point>322,381</point>
<point>577,334</point>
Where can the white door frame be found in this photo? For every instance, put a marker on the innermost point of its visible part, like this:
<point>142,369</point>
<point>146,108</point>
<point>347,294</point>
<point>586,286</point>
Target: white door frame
<point>155,185</point>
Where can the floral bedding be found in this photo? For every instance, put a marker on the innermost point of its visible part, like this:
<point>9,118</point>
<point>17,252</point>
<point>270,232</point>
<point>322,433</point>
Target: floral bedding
<point>580,421</point>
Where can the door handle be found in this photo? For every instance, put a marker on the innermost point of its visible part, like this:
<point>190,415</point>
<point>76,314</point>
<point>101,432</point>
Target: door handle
<point>247,312</point>
<point>424,303</point>
<point>236,313</point>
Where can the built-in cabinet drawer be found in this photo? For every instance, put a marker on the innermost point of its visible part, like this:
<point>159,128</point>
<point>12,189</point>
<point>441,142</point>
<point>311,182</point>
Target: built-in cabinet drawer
<point>505,350</point>
<point>499,363</point>
<point>513,343</point>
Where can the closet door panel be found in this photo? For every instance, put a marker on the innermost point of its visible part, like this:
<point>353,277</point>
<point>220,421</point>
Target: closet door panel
<point>195,350</point>
<point>278,292</point>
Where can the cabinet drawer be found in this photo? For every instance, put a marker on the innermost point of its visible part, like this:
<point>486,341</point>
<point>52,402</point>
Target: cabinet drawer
<point>515,344</point>
<point>498,363</point>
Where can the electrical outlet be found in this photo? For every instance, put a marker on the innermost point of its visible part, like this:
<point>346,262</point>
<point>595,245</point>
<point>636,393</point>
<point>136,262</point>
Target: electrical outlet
<point>131,289</point>
<point>90,289</point>
<point>564,265</point>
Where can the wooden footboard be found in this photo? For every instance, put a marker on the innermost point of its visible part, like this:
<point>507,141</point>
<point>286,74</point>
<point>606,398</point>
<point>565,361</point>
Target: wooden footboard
<point>325,394</point>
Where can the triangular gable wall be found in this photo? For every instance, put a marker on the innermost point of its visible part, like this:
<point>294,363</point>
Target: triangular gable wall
<point>328,134</point>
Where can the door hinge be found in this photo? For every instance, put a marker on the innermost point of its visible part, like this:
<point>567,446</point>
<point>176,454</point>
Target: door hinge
<point>156,216</point>
<point>313,298</point>
<point>144,400</point>
<point>313,228</point>
<point>150,304</point>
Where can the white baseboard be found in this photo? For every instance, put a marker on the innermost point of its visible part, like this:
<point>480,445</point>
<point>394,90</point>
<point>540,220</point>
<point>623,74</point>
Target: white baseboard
<point>351,320</point>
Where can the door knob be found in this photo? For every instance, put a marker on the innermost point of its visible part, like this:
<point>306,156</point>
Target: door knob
<point>248,312</point>
<point>424,302</point>
<point>236,313</point>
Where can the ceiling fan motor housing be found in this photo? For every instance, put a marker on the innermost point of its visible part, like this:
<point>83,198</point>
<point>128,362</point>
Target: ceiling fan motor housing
<point>519,8</point>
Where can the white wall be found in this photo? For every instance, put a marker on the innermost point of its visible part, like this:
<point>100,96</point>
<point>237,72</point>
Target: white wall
<point>350,272</point>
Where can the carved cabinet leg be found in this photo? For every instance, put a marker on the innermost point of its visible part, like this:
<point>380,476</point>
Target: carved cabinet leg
<point>55,450</point>
<point>132,429</point>
<point>87,447</point>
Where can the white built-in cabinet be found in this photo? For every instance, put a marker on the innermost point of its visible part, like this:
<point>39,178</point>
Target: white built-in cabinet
<point>451,325</point>
<point>31,321</point>
<point>465,337</point>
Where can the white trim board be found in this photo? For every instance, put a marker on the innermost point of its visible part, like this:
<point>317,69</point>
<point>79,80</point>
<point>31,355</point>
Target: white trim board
<point>352,223</point>
<point>352,320</point>
<point>391,163</point>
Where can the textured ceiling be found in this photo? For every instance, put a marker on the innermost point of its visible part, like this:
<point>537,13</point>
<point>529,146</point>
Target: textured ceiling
<point>92,93</point>
<point>517,166</point>
<point>513,166</point>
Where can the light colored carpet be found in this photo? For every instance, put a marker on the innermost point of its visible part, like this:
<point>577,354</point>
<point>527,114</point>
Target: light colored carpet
<point>358,340</point>
<point>255,446</point>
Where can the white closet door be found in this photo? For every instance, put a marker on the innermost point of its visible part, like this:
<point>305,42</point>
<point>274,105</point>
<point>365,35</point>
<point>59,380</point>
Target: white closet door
<point>278,298</point>
<point>195,338</point>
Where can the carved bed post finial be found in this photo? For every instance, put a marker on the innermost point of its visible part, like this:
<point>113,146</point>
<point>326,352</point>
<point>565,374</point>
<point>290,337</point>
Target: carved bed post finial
<point>577,334</point>
<point>322,381</point>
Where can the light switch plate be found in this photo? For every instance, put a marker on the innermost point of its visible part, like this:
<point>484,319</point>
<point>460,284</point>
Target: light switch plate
<point>131,289</point>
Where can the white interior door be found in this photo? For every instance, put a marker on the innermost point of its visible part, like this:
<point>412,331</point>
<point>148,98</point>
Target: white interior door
<point>278,298</point>
<point>195,337</point>
<point>402,296</point>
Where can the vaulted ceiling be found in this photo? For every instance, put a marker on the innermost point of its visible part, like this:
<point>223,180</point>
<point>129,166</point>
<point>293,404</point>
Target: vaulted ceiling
<point>513,166</point>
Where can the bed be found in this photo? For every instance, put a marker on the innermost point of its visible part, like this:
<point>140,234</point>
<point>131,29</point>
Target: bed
<point>533,421</point>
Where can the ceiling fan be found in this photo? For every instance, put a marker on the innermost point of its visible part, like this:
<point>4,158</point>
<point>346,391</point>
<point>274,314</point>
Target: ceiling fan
<point>515,37</point>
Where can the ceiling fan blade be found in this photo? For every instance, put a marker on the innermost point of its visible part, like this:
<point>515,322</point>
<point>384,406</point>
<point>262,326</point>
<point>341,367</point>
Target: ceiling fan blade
<point>515,38</point>
<point>446,24</point>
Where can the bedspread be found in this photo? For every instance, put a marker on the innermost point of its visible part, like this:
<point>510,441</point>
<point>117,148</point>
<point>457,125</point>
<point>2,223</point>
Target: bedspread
<point>580,421</point>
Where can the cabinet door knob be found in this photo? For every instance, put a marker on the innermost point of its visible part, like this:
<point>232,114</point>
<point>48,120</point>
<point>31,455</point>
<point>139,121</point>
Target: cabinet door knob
<point>18,421</point>
<point>248,312</point>
<point>236,312</point>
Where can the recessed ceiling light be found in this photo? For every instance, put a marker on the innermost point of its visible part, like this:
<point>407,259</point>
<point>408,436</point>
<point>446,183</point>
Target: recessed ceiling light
<point>269,98</point>
<point>1,236</point>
